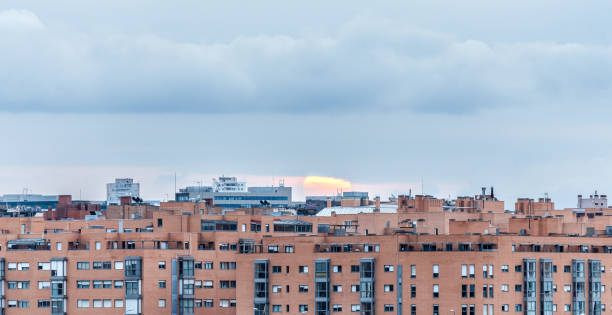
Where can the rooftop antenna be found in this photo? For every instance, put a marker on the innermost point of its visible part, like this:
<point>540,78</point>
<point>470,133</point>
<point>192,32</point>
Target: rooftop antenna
<point>175,184</point>
<point>422,190</point>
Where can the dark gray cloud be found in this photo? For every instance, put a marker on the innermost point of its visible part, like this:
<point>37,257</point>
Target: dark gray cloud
<point>366,64</point>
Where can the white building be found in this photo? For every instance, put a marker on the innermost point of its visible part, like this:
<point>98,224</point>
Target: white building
<point>120,188</point>
<point>228,184</point>
<point>594,201</point>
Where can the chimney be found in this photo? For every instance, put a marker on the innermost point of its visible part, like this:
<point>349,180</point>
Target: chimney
<point>484,192</point>
<point>329,203</point>
<point>377,209</point>
<point>125,200</point>
<point>64,199</point>
<point>492,194</point>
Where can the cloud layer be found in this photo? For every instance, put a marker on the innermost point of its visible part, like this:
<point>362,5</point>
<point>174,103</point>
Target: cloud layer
<point>365,65</point>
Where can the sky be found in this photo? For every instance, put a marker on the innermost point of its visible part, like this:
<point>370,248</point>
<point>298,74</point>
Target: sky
<point>437,97</point>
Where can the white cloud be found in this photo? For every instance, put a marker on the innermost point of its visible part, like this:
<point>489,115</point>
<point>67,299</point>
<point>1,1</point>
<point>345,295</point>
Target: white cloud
<point>19,19</point>
<point>367,64</point>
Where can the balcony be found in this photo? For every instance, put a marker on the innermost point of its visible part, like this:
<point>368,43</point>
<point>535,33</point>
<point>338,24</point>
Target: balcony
<point>447,247</point>
<point>78,245</point>
<point>28,244</point>
<point>346,248</point>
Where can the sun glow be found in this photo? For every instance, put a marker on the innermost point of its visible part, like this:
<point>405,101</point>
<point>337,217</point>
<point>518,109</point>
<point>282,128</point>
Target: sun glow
<point>323,185</point>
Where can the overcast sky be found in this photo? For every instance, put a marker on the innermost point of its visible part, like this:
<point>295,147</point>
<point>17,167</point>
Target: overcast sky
<point>440,96</point>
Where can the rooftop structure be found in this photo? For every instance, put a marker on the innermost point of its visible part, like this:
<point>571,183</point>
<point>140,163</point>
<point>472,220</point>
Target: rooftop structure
<point>228,184</point>
<point>228,193</point>
<point>120,188</point>
<point>593,201</point>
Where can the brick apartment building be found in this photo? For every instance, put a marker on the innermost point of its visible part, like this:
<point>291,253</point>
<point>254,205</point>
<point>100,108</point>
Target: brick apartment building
<point>182,259</point>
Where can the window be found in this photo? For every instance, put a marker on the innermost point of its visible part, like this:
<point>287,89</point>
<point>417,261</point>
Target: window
<point>44,303</point>
<point>23,266</point>
<point>208,303</point>
<point>161,284</point>
<point>118,303</point>
<point>288,248</point>
<point>277,269</point>
<point>464,290</point>
<point>504,307</point>
<point>566,308</point>
<point>567,288</point>
<point>436,291</point>
<point>518,307</point>
<point>472,271</point>
<point>161,303</point>
<point>337,268</point>
<point>58,246</point>
<point>303,269</point>
<point>83,265</point>
<point>228,265</point>
<point>355,288</point>
<point>389,288</point>
<point>277,308</point>
<point>504,268</point>
<point>355,308</point>
<point>412,271</point>
<point>504,288</point>
<point>21,285</point>
<point>518,268</point>
<point>207,265</point>
<point>118,284</point>
<point>119,265</point>
<point>44,284</point>
<point>337,288</point>
<point>413,309</point>
<point>337,308</point>
<point>436,273</point>
<point>101,265</point>
<point>354,268</point>
<point>161,265</point>
<point>98,245</point>
<point>44,266</point>
<point>436,309</point>
<point>303,288</point>
<point>389,308</point>
<point>413,291</point>
<point>277,288</point>
<point>108,303</point>
<point>518,288</point>
<point>12,303</point>
<point>567,268</point>
<point>82,303</point>
<point>12,266</point>
<point>82,284</point>
<point>303,308</point>
<point>107,284</point>
<point>388,268</point>
<point>464,269</point>
<point>207,284</point>
<point>131,287</point>
<point>97,284</point>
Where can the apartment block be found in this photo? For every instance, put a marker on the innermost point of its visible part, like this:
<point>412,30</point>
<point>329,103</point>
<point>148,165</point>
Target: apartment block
<point>179,259</point>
